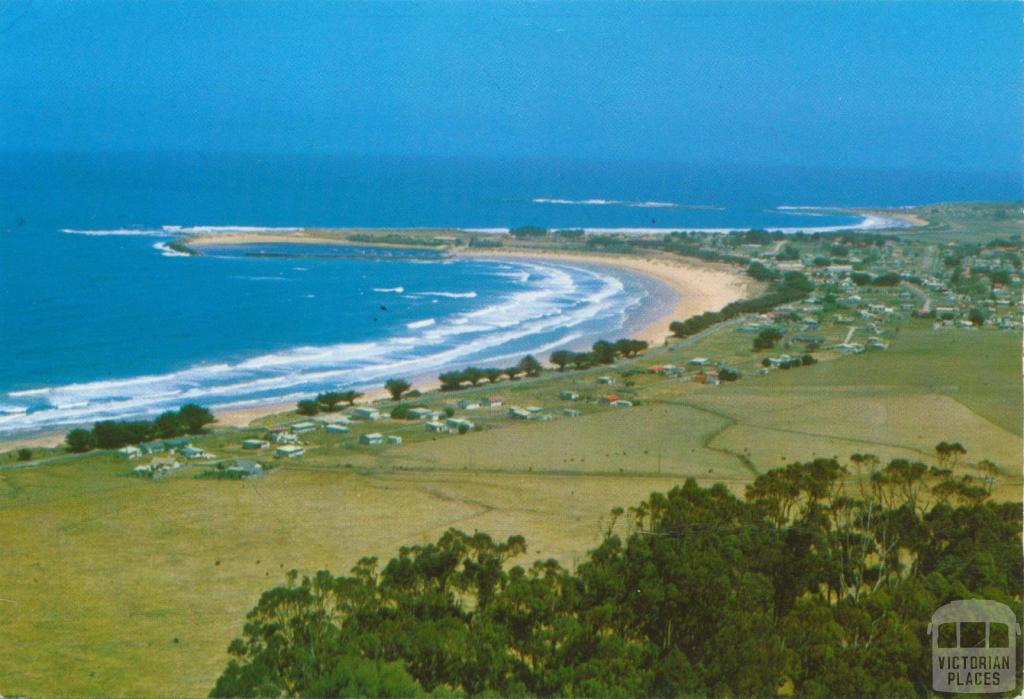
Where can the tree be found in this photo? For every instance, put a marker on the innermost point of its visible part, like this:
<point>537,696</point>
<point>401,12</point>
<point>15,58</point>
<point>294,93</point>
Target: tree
<point>512,372</point>
<point>976,316</point>
<point>629,348</point>
<point>766,339</point>
<point>473,374</point>
<point>396,387</point>
<point>168,424</point>
<point>807,360</point>
<point>330,400</point>
<point>195,417</point>
<point>530,366</point>
<point>492,374</point>
<point>561,358</point>
<point>350,396</point>
<point>727,374</point>
<point>80,440</point>
<point>308,407</point>
<point>691,592</point>
<point>603,352</point>
<point>24,454</point>
<point>451,380</point>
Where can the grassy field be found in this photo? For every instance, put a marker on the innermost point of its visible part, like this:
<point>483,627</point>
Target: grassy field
<point>970,222</point>
<point>112,585</point>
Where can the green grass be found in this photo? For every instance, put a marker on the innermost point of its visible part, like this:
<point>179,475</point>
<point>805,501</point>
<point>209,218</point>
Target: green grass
<point>976,222</point>
<point>114,585</point>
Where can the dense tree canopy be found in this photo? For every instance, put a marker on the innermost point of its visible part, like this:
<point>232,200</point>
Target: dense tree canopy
<point>114,434</point>
<point>815,582</point>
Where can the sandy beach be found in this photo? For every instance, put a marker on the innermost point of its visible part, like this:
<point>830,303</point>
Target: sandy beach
<point>698,287</point>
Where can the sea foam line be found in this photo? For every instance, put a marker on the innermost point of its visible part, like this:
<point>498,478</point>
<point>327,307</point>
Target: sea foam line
<point>559,300</point>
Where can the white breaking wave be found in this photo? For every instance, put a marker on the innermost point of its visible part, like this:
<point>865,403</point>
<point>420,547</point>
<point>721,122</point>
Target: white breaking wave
<point>170,231</point>
<point>153,233</point>
<point>446,294</point>
<point>554,308</point>
<point>607,202</point>
<point>168,251</point>
<point>393,290</point>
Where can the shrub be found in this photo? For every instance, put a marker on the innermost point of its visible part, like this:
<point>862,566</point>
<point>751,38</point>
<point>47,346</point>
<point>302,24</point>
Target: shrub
<point>308,407</point>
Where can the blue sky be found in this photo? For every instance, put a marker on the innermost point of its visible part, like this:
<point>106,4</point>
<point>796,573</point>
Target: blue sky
<point>913,85</point>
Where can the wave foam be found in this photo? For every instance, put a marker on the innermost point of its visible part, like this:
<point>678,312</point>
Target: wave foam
<point>554,308</point>
<point>607,202</point>
<point>446,294</point>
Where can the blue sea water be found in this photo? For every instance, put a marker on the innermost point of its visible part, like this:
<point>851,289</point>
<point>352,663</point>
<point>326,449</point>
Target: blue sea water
<point>109,323</point>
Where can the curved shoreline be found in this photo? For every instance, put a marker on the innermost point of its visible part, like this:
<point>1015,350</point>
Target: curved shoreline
<point>697,287</point>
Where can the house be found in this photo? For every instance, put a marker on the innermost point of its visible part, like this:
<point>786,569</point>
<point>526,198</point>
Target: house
<point>877,343</point>
<point>518,413</point>
<point>364,413</point>
<point>421,413</point>
<point>300,427</point>
<point>285,438</point>
<point>373,438</point>
<point>569,395</point>
<point>610,398</point>
<point>394,439</point>
<point>254,443</point>
<point>492,402</point>
<point>152,447</point>
<point>534,409</point>
<point>467,404</point>
<point>130,452</point>
<point>336,428</point>
<point>434,426</point>
<point>570,412</point>
<point>605,380</point>
<point>178,443</point>
<point>458,423</point>
<point>195,453</point>
<point>709,378</point>
<point>243,466</point>
<point>158,467</point>
<point>620,403</point>
<point>289,451</point>
<point>332,420</point>
<point>850,347</point>
<point>700,361</point>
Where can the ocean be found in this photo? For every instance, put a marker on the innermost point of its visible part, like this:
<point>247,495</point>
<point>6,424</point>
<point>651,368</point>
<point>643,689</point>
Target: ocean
<point>98,319</point>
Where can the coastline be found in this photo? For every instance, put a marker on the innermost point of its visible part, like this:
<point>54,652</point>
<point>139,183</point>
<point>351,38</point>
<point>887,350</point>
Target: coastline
<point>697,287</point>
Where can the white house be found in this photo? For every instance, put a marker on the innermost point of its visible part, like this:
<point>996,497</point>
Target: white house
<point>254,444</point>
<point>458,423</point>
<point>336,428</point>
<point>364,413</point>
<point>394,439</point>
<point>290,451</point>
<point>373,438</point>
<point>130,451</point>
<point>300,427</point>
